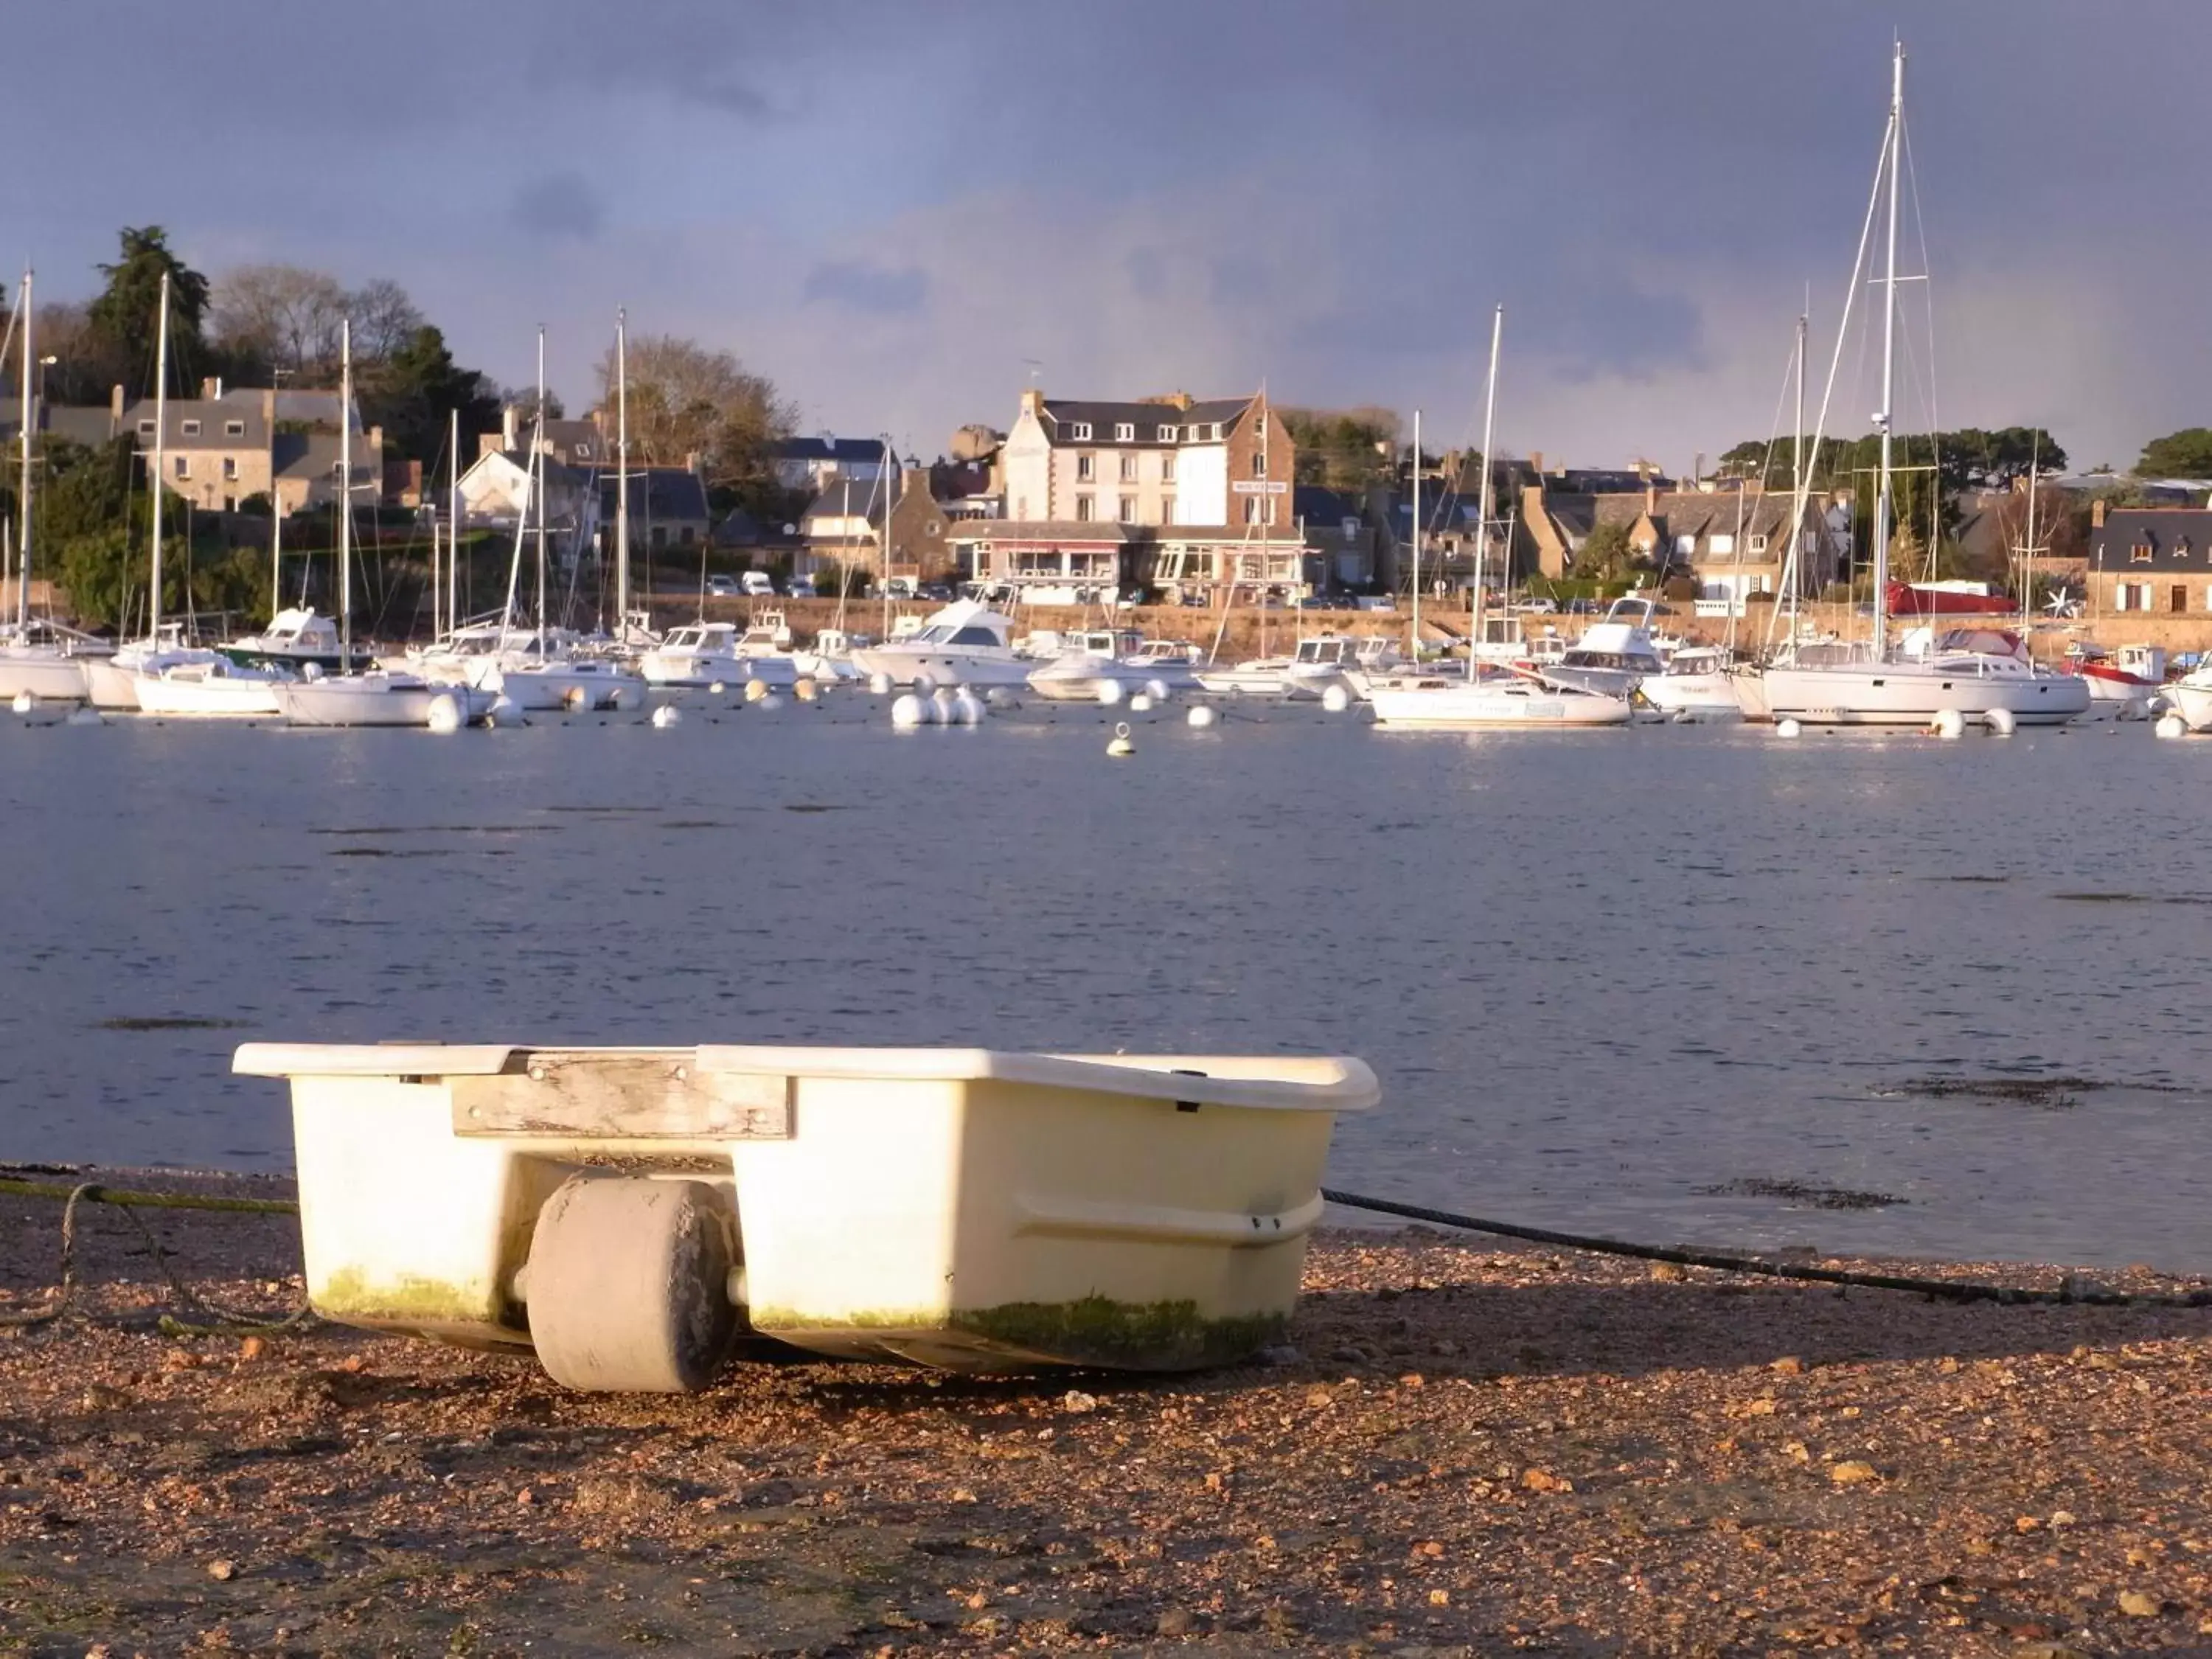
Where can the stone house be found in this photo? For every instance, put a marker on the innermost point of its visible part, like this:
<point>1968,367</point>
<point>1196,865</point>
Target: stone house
<point>811,464</point>
<point>2150,560</point>
<point>1733,540</point>
<point>843,526</point>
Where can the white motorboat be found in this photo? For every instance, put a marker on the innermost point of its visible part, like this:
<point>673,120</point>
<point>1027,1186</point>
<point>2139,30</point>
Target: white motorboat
<point>1262,676</point>
<point>294,639</point>
<point>1696,685</point>
<point>1462,705</point>
<point>213,689</point>
<point>570,683</point>
<point>966,643</point>
<point>111,682</point>
<point>379,697</point>
<point>830,657</point>
<point>1614,656</point>
<point>2191,697</point>
<point>1122,657</point>
<point>699,655</point>
<point>2127,678</point>
<point>1315,664</point>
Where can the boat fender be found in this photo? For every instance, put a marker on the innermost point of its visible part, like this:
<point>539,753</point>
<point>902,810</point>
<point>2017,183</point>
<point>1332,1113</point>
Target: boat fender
<point>1947,724</point>
<point>1201,717</point>
<point>1121,747</point>
<point>2170,726</point>
<point>1787,728</point>
<point>445,712</point>
<point>1110,693</point>
<point>666,715</point>
<point>2000,722</point>
<point>908,713</point>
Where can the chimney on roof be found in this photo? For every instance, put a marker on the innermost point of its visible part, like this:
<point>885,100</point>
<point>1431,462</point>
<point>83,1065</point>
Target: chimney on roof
<point>1651,495</point>
<point>115,406</point>
<point>211,389</point>
<point>2097,514</point>
<point>509,425</point>
<point>1033,401</point>
<point>1536,462</point>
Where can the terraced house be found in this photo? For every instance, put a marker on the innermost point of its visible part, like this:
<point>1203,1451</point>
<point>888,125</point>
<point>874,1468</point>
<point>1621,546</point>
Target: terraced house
<point>1188,495</point>
<point>2150,560</point>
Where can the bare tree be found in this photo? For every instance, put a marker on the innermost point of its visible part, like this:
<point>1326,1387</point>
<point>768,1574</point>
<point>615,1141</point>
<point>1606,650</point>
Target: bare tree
<point>686,399</point>
<point>282,317</point>
<point>384,319</point>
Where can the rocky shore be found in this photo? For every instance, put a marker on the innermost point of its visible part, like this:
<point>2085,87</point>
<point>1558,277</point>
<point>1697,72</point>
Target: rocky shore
<point>1467,1451</point>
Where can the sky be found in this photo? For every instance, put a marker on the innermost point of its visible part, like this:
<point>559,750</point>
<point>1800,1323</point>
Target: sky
<point>906,213</point>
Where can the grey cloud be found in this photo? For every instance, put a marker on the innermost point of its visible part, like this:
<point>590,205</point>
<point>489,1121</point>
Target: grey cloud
<point>874,289</point>
<point>558,205</point>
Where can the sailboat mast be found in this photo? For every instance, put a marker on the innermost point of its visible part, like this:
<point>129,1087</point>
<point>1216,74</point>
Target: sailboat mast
<point>345,494</point>
<point>537,476</point>
<point>883,542</point>
<point>2027,553</point>
<point>276,551</point>
<point>453,530</point>
<point>1414,640</point>
<point>160,432</point>
<point>1482,513</point>
<point>622,471</point>
<point>1882,506</point>
<point>23,499</point>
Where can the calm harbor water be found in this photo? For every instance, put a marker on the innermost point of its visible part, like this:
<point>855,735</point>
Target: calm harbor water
<point>1677,983</point>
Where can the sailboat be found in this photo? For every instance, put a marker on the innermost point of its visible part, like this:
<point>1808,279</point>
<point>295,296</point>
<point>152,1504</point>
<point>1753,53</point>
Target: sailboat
<point>46,670</point>
<point>1475,701</point>
<point>1878,687</point>
<point>377,696</point>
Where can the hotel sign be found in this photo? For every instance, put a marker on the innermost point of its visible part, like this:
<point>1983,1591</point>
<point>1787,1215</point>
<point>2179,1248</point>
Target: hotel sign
<point>1259,486</point>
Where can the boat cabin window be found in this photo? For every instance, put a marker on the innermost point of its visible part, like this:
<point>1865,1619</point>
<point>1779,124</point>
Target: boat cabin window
<point>973,637</point>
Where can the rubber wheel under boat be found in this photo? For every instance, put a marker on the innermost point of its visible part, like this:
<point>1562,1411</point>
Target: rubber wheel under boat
<point>627,1286</point>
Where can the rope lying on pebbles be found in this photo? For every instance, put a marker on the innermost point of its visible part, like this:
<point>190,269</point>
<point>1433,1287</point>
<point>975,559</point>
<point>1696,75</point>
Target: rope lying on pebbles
<point>2071,1293</point>
<point>224,1321</point>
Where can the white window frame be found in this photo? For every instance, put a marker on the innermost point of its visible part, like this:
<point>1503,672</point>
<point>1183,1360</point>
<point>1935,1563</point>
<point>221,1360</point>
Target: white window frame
<point>191,428</point>
<point>1081,432</point>
<point>1756,544</point>
<point>1128,469</point>
<point>1166,434</point>
<point>1722,544</point>
<point>1125,432</point>
<point>1125,510</point>
<point>1086,468</point>
<point>1083,510</point>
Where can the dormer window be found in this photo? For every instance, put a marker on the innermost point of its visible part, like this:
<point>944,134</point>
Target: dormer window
<point>1081,432</point>
<point>192,429</point>
<point>583,452</point>
<point>145,428</point>
<point>1125,432</point>
<point>2139,553</point>
<point>1166,434</point>
<point>1757,544</point>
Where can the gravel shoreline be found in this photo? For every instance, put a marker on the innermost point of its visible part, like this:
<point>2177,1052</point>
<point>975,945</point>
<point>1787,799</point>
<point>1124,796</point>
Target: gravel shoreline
<point>1470,1450</point>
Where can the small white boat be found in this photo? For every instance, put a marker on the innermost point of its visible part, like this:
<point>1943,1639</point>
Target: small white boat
<point>1696,685</point>
<point>1122,657</point>
<point>1459,705</point>
<point>570,683</point>
<point>701,655</point>
<point>966,643</point>
<point>2129,676</point>
<point>830,657</point>
<point>379,697</point>
<point>219,689</point>
<point>45,672</point>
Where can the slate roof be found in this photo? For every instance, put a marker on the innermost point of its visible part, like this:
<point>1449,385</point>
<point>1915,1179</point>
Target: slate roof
<point>1063,415</point>
<point>847,498</point>
<point>668,494</point>
<point>2179,538</point>
<point>1696,512</point>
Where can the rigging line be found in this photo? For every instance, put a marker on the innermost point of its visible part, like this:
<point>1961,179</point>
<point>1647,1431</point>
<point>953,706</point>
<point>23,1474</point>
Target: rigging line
<point>1928,296</point>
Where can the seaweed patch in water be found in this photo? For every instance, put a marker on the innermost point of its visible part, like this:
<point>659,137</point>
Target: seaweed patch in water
<point>812,806</point>
<point>2133,898</point>
<point>157,1022</point>
<point>2054,1094</point>
<point>1800,1192</point>
<point>1974,878</point>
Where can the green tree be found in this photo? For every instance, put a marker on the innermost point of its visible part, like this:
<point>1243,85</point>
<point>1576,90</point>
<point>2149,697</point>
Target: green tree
<point>1349,449</point>
<point>413,393</point>
<point>1605,555</point>
<point>686,399</point>
<point>125,316</point>
<point>2184,454</point>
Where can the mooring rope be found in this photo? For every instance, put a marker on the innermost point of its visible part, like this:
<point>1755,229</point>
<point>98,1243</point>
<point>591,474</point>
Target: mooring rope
<point>223,1321</point>
<point>2070,1293</point>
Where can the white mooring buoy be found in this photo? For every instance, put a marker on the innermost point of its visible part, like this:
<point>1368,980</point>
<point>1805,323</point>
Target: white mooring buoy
<point>1201,717</point>
<point>2000,722</point>
<point>1157,689</point>
<point>1336,698</point>
<point>445,712</point>
<point>1947,724</point>
<point>1141,704</point>
<point>505,711</point>
<point>1121,747</point>
<point>881,684</point>
<point>2170,726</point>
<point>85,714</point>
<point>908,712</point>
<point>666,715</point>
<point>1110,693</point>
<point>967,707</point>
<point>1786,728</point>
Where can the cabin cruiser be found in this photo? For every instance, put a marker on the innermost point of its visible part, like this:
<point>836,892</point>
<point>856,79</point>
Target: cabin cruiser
<point>294,639</point>
<point>111,682</point>
<point>45,660</point>
<point>216,689</point>
<point>1314,666</point>
<point>699,656</point>
<point>1120,656</point>
<point>1487,702</point>
<point>966,643</point>
<point>1614,655</point>
<point>1695,685</point>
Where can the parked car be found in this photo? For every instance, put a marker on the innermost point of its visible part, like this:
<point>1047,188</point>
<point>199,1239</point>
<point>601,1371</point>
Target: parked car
<point>940,591</point>
<point>757,585</point>
<point>799,587</point>
<point>722,587</point>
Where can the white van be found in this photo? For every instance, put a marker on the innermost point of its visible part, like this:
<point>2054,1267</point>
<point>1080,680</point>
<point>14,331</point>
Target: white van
<point>757,585</point>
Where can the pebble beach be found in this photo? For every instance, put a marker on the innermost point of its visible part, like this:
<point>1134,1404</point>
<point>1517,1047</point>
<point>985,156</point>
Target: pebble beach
<point>1463,1450</point>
